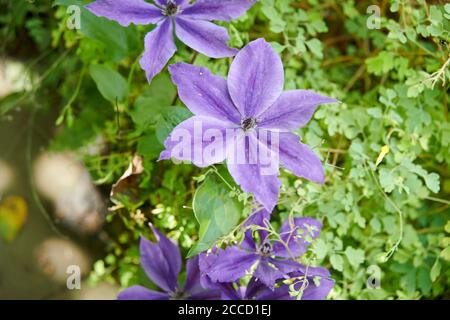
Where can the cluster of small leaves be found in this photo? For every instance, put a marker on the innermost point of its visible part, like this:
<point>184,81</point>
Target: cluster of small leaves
<point>386,148</point>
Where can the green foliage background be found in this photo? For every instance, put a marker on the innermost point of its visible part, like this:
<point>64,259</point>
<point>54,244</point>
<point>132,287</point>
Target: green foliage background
<point>390,215</point>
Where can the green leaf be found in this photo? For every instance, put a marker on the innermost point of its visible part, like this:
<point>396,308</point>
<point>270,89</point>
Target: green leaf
<point>432,182</point>
<point>10,102</point>
<point>354,256</point>
<point>337,262</point>
<point>447,227</point>
<point>435,270</point>
<point>445,254</point>
<point>110,83</point>
<point>154,100</point>
<point>169,119</point>
<point>217,213</point>
<point>380,64</point>
<point>149,145</point>
<point>320,249</point>
<point>315,46</point>
<point>424,281</point>
<point>116,40</point>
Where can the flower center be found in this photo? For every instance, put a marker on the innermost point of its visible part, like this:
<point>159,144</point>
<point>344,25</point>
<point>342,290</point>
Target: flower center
<point>248,124</point>
<point>265,249</point>
<point>171,9</point>
<point>178,295</point>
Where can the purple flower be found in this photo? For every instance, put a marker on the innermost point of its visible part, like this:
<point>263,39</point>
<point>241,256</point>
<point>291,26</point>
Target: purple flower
<point>161,262</point>
<point>252,110</point>
<point>191,21</point>
<point>256,290</point>
<point>271,259</point>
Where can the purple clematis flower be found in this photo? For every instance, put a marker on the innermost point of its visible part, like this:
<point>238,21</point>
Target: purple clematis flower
<point>270,259</point>
<point>251,110</point>
<point>191,23</point>
<point>161,262</point>
<point>256,290</point>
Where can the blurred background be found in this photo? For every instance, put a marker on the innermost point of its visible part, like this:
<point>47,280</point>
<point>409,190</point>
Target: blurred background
<point>78,173</point>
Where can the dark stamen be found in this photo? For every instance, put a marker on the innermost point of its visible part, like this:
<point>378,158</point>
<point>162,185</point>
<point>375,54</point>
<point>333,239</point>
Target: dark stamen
<point>178,295</point>
<point>248,124</point>
<point>266,249</point>
<point>171,9</point>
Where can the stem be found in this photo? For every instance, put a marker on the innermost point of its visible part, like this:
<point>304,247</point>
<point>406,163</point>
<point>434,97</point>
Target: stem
<point>399,212</point>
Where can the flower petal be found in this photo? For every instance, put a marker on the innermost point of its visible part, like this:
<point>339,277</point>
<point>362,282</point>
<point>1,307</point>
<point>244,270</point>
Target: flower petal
<point>256,290</point>
<point>256,78</point>
<point>192,282</point>
<point>297,233</point>
<point>161,262</point>
<point>229,292</point>
<point>259,218</point>
<point>193,286</point>
<point>299,158</point>
<point>253,170</point>
<point>204,37</point>
<point>232,264</point>
<point>286,265</point>
<point>141,293</point>
<point>204,93</point>
<point>126,11</point>
<point>313,292</point>
<point>164,2</point>
<point>222,10</point>
<point>159,48</point>
<point>292,110</point>
<point>170,250</point>
<point>267,274</point>
<point>200,140</point>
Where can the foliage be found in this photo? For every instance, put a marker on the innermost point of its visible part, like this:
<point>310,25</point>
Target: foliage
<point>386,147</point>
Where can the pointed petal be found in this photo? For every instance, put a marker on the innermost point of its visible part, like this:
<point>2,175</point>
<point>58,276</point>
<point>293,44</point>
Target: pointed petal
<point>161,262</point>
<point>313,292</point>
<point>260,218</point>
<point>204,37</point>
<point>232,264</point>
<point>200,140</point>
<point>312,272</point>
<point>256,78</point>
<point>170,250</point>
<point>204,93</point>
<point>265,188</point>
<point>256,290</point>
<point>281,293</point>
<point>292,110</point>
<point>193,285</point>
<point>126,11</point>
<point>249,242</point>
<point>229,292</point>
<point>222,10</point>
<point>285,265</point>
<point>159,48</point>
<point>267,274</point>
<point>298,234</point>
<point>300,159</point>
<point>192,282</point>
<point>255,173</point>
<point>141,293</point>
